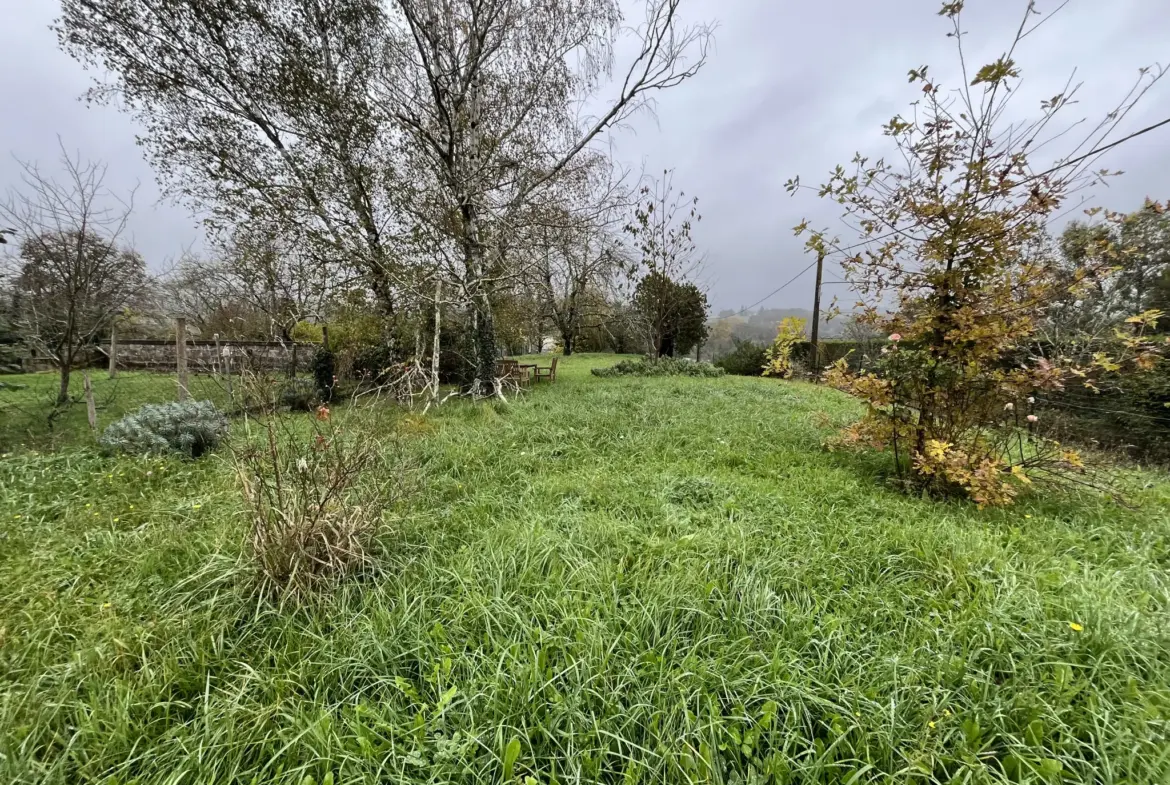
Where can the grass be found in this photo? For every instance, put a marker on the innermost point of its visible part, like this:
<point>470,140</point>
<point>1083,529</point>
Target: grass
<point>611,580</point>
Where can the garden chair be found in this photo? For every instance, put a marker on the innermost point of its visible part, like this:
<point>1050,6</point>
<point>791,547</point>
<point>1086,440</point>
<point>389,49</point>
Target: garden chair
<point>512,372</point>
<point>549,373</point>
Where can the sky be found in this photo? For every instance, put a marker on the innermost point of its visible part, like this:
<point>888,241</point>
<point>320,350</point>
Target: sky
<point>790,88</point>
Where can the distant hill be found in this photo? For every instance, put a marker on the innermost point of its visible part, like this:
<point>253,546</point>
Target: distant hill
<point>759,326</point>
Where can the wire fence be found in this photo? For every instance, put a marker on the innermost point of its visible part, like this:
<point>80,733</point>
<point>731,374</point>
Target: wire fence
<point>1135,423</point>
<point>117,377</point>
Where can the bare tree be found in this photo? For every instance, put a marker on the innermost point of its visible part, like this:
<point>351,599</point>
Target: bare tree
<point>574,275</point>
<point>71,274</point>
<point>578,261</point>
<point>256,283</point>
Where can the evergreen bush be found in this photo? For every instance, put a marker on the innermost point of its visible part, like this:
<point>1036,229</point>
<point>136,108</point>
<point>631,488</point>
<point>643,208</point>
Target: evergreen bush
<point>188,427</point>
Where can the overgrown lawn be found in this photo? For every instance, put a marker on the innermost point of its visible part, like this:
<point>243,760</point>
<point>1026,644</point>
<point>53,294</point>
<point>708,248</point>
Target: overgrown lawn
<point>611,580</point>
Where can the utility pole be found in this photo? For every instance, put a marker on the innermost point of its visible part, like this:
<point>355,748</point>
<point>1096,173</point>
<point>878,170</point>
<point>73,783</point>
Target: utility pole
<point>814,349</point>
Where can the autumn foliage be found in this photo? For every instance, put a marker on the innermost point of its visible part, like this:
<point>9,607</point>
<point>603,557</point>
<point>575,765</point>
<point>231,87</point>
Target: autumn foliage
<point>789,332</point>
<point>950,267</point>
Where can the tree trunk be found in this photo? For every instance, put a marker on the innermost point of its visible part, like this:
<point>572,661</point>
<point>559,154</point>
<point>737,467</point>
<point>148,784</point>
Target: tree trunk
<point>567,341</point>
<point>1140,288</point>
<point>666,346</point>
<point>484,325</point>
<point>435,340</point>
<point>484,340</point>
<point>67,352</point>
<point>63,387</point>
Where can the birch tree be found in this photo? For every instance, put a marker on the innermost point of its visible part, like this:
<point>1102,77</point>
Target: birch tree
<point>256,110</point>
<point>488,93</point>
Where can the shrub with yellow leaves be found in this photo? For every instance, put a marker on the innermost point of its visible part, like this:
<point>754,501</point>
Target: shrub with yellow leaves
<point>778,357</point>
<point>951,265</point>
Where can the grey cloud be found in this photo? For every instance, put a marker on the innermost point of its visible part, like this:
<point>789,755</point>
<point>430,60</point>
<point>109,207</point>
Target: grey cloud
<point>41,90</point>
<point>791,88</point>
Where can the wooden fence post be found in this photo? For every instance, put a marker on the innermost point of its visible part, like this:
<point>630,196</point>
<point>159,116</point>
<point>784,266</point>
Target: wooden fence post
<point>226,360</point>
<point>325,337</point>
<point>181,356</point>
<point>215,361</point>
<point>113,354</point>
<point>90,407</point>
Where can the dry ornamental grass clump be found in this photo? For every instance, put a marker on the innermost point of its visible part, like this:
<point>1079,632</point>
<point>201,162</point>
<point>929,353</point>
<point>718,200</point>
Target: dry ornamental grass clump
<point>317,489</point>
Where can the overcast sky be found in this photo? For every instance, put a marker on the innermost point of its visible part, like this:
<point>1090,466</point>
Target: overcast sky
<point>791,88</point>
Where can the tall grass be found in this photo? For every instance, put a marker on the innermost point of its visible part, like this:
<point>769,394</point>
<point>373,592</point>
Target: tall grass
<point>610,580</point>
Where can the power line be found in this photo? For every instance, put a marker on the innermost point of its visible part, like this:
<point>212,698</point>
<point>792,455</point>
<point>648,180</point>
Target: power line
<point>767,296</point>
<point>1059,166</point>
<point>782,286</point>
<point>1097,150</point>
<point>792,280</point>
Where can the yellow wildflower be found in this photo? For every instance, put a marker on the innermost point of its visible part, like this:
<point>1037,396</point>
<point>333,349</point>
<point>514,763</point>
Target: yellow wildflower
<point>1072,625</point>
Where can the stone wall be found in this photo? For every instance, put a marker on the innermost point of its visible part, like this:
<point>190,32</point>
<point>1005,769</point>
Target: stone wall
<point>201,355</point>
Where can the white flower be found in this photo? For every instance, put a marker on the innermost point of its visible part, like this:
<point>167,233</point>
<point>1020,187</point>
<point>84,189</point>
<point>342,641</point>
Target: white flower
<point>302,465</point>
<point>1031,399</point>
<point>1007,407</point>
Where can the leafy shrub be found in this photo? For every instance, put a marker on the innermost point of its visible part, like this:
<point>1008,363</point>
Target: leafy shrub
<point>789,332</point>
<point>856,354</point>
<point>661,366</point>
<point>188,427</point>
<point>373,363</point>
<point>307,332</point>
<point>325,374</point>
<point>746,359</point>
<point>962,287</point>
<point>300,395</point>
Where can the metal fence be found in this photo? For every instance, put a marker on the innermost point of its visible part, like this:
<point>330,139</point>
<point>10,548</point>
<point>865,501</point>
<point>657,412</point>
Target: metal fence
<point>119,376</point>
